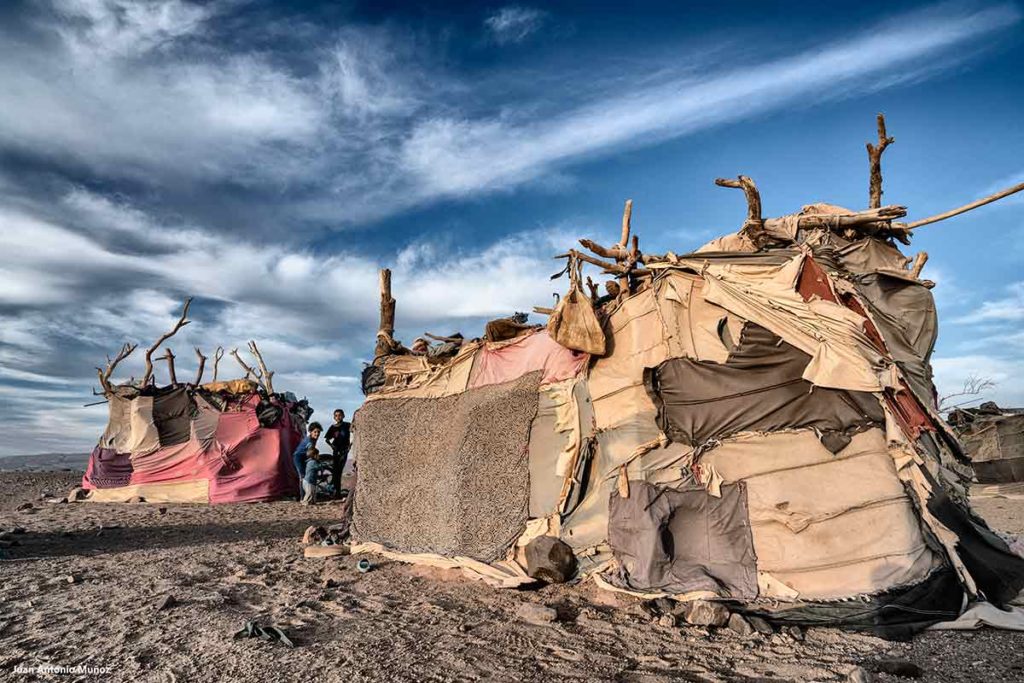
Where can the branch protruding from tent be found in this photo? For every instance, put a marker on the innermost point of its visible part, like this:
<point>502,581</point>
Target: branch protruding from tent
<point>754,224</point>
<point>919,261</point>
<point>217,355</point>
<point>249,371</point>
<point>182,321</point>
<point>963,209</point>
<point>202,366</point>
<point>169,357</point>
<point>386,331</point>
<point>105,373</point>
<point>266,376</point>
<point>875,161</point>
<point>627,215</point>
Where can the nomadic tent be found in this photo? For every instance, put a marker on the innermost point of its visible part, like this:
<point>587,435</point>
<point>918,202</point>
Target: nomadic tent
<point>753,422</point>
<point>220,442</point>
<point>994,440</point>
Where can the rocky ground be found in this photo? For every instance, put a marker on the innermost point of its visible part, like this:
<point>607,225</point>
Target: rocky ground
<point>155,593</point>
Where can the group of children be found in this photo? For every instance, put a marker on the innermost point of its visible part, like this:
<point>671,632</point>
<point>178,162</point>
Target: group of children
<point>309,462</point>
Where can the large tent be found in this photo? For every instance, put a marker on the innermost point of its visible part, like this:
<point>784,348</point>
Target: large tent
<point>219,442</point>
<point>753,422</point>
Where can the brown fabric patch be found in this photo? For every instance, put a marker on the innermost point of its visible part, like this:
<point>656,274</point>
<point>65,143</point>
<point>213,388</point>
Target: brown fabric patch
<point>759,388</point>
<point>446,475</point>
<point>682,541</point>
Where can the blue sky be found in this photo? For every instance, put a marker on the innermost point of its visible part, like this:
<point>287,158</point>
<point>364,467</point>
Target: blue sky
<point>267,158</point>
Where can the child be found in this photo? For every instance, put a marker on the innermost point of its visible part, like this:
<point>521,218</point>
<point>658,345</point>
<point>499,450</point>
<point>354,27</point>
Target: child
<point>312,472</point>
<point>301,453</point>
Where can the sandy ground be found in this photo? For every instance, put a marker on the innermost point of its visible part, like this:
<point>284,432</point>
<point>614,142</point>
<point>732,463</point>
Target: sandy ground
<point>85,584</point>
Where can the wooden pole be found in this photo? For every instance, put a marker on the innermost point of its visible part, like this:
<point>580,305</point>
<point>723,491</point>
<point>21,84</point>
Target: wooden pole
<point>963,209</point>
<point>169,357</point>
<point>386,331</point>
<point>627,215</point>
<point>919,261</point>
<point>875,162</point>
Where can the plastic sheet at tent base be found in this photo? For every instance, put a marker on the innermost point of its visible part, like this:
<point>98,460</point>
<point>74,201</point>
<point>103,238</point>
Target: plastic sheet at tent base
<point>498,574</point>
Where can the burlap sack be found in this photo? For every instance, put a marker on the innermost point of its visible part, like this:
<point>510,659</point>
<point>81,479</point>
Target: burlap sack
<point>574,323</point>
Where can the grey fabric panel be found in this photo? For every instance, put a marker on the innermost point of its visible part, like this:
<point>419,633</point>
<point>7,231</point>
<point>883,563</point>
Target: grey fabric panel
<point>905,314</point>
<point>172,411</point>
<point>679,541</point>
<point>759,388</point>
<point>446,475</point>
<point>545,446</point>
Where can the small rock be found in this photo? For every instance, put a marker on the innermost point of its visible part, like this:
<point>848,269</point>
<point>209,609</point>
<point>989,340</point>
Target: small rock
<point>665,606</point>
<point>162,511</point>
<point>136,499</point>
<point>897,667</point>
<point>77,493</point>
<point>794,632</point>
<point>741,626</point>
<point>18,530</point>
<point>533,613</point>
<point>703,613</point>
<point>71,578</point>
<point>667,620</point>
<point>859,675</point>
<point>329,582</point>
<point>45,494</point>
<point>25,506</point>
<point>166,602</point>
<point>761,626</point>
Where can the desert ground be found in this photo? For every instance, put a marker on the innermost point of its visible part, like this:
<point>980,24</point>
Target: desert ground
<point>156,592</point>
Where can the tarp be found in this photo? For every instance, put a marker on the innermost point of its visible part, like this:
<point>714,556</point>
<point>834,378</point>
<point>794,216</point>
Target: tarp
<point>825,525</point>
<point>842,355</point>
<point>680,541</point>
<point>499,362</point>
<point>759,388</point>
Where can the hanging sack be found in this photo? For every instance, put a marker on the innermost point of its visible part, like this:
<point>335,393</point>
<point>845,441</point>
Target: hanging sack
<point>574,323</point>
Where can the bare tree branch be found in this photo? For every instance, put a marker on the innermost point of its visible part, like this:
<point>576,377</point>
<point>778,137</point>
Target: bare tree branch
<point>875,161</point>
<point>249,371</point>
<point>202,366</point>
<point>753,226</point>
<point>919,261</point>
<point>217,355</point>
<point>169,357</point>
<point>182,321</point>
<point>973,386</point>
<point>627,215</point>
<point>104,374</point>
<point>386,331</point>
<point>266,376</point>
<point>959,210</point>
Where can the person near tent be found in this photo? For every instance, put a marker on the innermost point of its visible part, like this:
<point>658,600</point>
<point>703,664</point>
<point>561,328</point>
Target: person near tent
<point>312,474</point>
<point>339,438</point>
<point>301,453</point>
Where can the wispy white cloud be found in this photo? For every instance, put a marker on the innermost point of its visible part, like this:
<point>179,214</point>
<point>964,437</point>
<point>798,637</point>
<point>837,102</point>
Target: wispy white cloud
<point>1007,309</point>
<point>514,24</point>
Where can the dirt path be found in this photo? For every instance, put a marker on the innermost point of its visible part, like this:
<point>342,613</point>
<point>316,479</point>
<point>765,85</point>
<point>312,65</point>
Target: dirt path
<point>85,583</point>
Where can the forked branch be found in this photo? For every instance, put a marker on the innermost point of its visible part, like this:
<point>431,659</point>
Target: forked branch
<point>249,371</point>
<point>105,373</point>
<point>217,355</point>
<point>182,321</point>
<point>266,376</point>
<point>875,161</point>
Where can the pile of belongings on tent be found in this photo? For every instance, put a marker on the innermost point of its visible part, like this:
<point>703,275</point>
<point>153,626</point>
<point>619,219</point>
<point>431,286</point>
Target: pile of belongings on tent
<point>754,423</point>
<point>994,439</point>
<point>219,442</point>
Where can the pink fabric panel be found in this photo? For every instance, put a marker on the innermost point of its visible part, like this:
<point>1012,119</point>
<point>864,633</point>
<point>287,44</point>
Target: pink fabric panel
<point>177,463</point>
<point>256,471</point>
<point>506,361</point>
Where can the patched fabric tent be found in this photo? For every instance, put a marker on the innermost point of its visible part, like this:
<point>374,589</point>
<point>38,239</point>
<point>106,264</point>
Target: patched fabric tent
<point>758,426</point>
<point>219,442</point>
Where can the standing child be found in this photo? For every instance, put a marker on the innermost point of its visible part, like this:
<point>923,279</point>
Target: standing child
<point>301,454</point>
